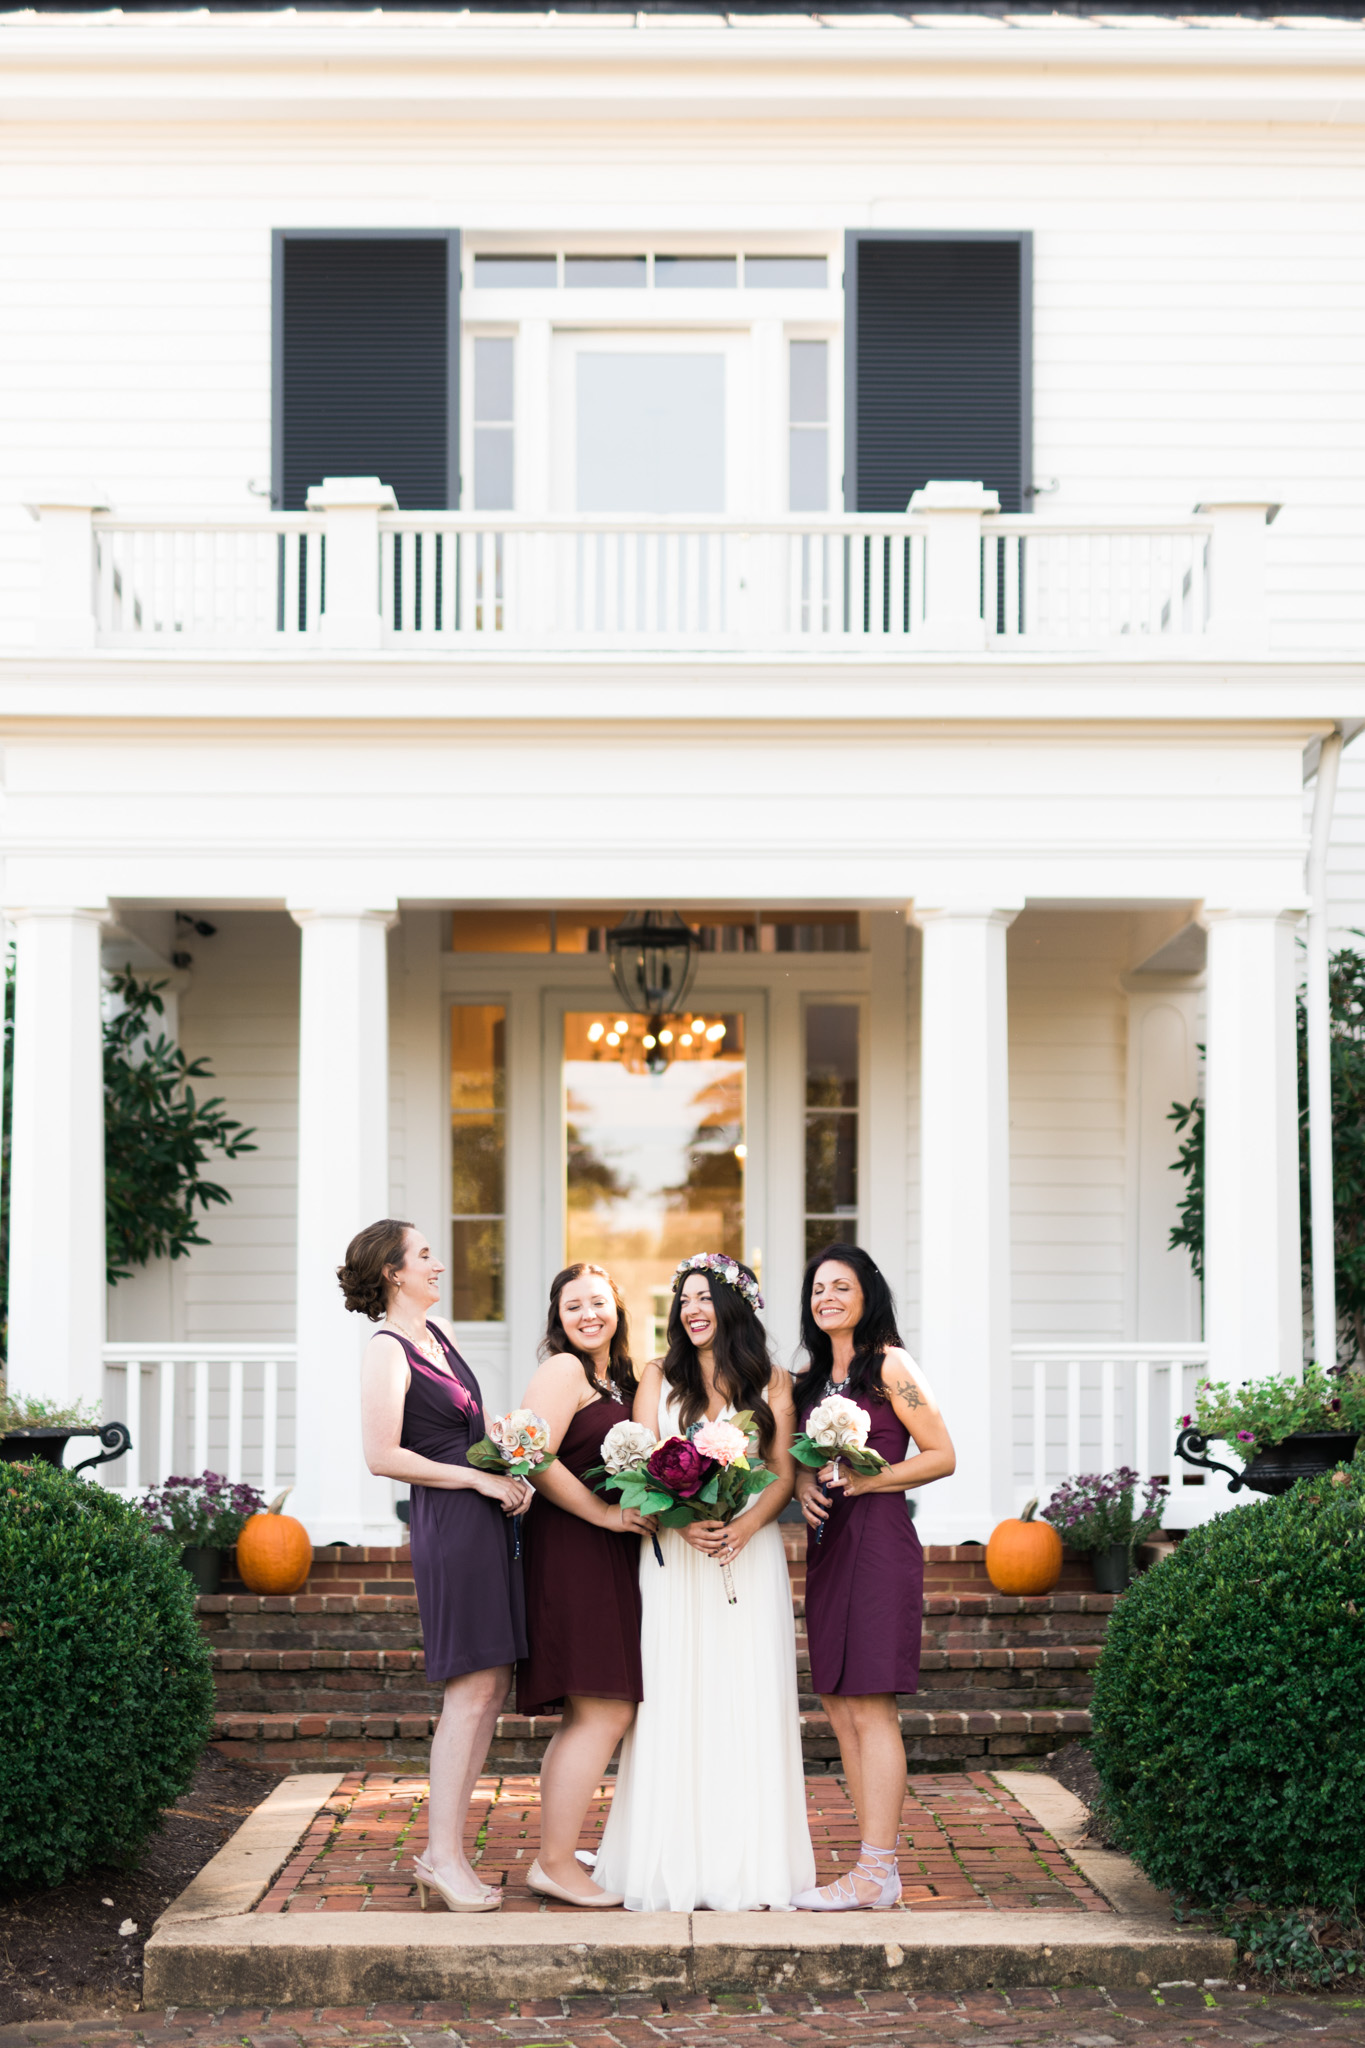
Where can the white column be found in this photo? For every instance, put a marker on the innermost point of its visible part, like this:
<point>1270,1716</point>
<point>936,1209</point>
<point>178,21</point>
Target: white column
<point>343,1185</point>
<point>351,506</point>
<point>57,1256</point>
<point>965,1322</point>
<point>1253,1307</point>
<point>952,513</point>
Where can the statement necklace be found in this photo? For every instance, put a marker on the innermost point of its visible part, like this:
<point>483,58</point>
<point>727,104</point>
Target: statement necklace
<point>428,1344</point>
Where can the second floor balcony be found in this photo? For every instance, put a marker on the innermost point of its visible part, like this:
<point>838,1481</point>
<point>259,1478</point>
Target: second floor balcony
<point>355,574</point>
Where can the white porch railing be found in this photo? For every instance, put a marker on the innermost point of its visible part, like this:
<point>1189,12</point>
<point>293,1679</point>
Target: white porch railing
<point>202,1407</point>
<point>451,582</point>
<point>1091,1407</point>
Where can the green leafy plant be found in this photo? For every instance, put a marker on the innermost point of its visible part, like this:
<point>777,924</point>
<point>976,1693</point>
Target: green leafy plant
<point>24,1411</point>
<point>1262,1413</point>
<point>206,1513</point>
<point>106,1688</point>
<point>1188,1234</point>
<point>1098,1510</point>
<point>1228,1732</point>
<point>157,1136</point>
<point>1303,1948</point>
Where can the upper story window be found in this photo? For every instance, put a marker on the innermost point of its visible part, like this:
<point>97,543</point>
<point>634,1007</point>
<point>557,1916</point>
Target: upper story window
<point>494,362</point>
<point>808,428</point>
<point>657,271</point>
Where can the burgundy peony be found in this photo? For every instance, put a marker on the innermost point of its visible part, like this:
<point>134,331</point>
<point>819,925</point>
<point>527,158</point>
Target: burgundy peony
<point>680,1466</point>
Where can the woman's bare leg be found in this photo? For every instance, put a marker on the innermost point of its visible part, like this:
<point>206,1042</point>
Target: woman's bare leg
<point>574,1766</point>
<point>845,1726</point>
<point>459,1748</point>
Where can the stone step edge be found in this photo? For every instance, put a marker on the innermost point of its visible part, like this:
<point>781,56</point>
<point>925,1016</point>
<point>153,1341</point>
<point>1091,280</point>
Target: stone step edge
<point>390,1603</point>
<point>1059,1657</point>
<point>522,1727</point>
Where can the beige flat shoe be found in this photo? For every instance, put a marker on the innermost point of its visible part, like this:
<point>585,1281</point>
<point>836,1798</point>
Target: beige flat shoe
<point>485,1901</point>
<point>537,1881</point>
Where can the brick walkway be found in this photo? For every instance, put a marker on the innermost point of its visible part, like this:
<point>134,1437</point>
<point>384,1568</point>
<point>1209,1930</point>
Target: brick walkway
<point>1170,2018</point>
<point>966,1846</point>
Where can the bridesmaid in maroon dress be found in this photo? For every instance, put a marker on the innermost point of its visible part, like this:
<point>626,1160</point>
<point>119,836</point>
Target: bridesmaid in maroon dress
<point>581,1554</point>
<point>864,1566</point>
<point>420,1411</point>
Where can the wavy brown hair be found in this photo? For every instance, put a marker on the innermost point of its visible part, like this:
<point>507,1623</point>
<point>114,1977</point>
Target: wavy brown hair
<point>555,1343</point>
<point>369,1255</point>
<point>744,1363</point>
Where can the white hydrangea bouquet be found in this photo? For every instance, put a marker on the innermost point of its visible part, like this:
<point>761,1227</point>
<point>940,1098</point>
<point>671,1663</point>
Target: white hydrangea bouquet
<point>518,1444</point>
<point>626,1448</point>
<point>837,1428</point>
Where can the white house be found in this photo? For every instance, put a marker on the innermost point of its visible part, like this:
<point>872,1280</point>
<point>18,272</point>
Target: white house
<point>455,484</point>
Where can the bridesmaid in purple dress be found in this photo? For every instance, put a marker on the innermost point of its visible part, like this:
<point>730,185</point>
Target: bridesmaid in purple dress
<point>420,1411</point>
<point>582,1558</point>
<point>865,1572</point>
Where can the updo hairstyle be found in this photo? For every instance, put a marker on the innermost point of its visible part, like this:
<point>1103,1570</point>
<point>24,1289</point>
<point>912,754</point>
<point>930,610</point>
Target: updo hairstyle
<point>371,1257</point>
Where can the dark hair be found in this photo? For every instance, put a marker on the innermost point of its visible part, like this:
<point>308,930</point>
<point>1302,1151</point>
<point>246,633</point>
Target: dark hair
<point>555,1343</point>
<point>364,1277</point>
<point>875,1334</point>
<point>744,1364</point>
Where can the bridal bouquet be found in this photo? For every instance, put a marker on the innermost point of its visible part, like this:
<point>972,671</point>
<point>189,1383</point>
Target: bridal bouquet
<point>837,1428</point>
<point>518,1444</point>
<point>703,1477</point>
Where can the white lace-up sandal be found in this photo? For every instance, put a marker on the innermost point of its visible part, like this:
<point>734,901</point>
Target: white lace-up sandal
<point>874,1866</point>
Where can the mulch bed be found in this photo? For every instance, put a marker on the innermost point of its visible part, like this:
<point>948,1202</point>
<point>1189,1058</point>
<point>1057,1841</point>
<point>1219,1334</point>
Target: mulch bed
<point>61,1951</point>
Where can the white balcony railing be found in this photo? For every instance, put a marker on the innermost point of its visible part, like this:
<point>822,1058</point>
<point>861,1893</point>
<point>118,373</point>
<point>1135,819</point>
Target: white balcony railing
<point>225,1408</point>
<point>355,577</point>
<point>1091,1407</point>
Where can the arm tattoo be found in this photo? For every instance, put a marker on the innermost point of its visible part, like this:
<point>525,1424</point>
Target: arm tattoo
<point>908,1392</point>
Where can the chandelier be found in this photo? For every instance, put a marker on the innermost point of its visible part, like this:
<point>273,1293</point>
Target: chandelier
<point>653,957</point>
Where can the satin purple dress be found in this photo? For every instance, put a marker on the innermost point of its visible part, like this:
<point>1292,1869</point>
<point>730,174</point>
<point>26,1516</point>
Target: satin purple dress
<point>469,1590</point>
<point>865,1580</point>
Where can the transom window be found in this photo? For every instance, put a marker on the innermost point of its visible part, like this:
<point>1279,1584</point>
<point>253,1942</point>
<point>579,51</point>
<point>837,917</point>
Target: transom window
<point>552,269</point>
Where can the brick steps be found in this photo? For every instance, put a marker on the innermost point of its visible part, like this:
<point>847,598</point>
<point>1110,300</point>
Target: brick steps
<point>290,1742</point>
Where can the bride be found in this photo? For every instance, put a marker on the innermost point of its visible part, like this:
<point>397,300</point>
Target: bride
<point>710,1805</point>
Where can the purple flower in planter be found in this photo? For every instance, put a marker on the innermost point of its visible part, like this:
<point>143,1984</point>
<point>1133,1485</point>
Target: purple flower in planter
<point>1244,1436</point>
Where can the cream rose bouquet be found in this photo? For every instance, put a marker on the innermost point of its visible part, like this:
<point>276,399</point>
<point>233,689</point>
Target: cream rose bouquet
<point>837,1428</point>
<point>704,1476</point>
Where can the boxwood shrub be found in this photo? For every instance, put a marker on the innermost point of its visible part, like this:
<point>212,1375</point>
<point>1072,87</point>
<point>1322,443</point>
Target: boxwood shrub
<point>106,1693</point>
<point>1229,1709</point>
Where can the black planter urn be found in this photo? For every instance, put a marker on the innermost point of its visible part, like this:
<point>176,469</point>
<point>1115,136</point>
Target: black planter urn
<point>1276,1468</point>
<point>23,1446</point>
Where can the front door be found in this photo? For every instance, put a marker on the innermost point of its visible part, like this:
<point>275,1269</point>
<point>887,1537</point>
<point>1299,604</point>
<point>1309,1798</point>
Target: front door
<point>655,1148</point>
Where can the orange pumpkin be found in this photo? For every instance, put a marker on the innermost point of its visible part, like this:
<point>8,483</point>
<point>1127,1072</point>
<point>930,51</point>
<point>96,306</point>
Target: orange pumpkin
<point>1024,1555</point>
<point>273,1551</point>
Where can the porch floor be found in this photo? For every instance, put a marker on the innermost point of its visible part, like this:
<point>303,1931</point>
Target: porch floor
<point>967,1846</point>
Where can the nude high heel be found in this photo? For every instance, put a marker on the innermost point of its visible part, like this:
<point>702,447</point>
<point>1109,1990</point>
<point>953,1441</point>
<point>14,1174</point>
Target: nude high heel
<point>487,1900</point>
<point>537,1881</point>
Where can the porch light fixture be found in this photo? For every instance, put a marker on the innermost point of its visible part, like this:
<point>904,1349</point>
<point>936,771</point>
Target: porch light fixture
<point>653,957</point>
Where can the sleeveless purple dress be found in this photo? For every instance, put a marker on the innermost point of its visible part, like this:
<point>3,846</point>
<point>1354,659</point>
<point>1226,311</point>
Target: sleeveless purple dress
<point>865,1580</point>
<point>582,1589</point>
<point>469,1591</point>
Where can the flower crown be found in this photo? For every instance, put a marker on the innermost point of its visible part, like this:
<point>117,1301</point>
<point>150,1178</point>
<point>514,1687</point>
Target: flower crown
<point>723,1269</point>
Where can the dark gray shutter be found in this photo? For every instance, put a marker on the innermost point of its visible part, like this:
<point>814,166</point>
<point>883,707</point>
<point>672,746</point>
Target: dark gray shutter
<point>938,364</point>
<point>366,354</point>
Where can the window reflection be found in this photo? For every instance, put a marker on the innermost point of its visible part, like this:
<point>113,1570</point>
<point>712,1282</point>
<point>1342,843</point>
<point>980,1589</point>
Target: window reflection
<point>478,1151</point>
<point>831,1124</point>
<point>654,1163</point>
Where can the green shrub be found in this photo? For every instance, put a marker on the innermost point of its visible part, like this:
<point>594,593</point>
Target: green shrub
<point>106,1694</point>
<point>1229,1732</point>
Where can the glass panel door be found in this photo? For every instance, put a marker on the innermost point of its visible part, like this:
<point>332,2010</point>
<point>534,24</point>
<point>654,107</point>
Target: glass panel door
<point>654,1160</point>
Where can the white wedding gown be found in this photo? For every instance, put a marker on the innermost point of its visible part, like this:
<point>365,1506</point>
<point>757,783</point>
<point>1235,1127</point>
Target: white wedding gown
<point>710,1801</point>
